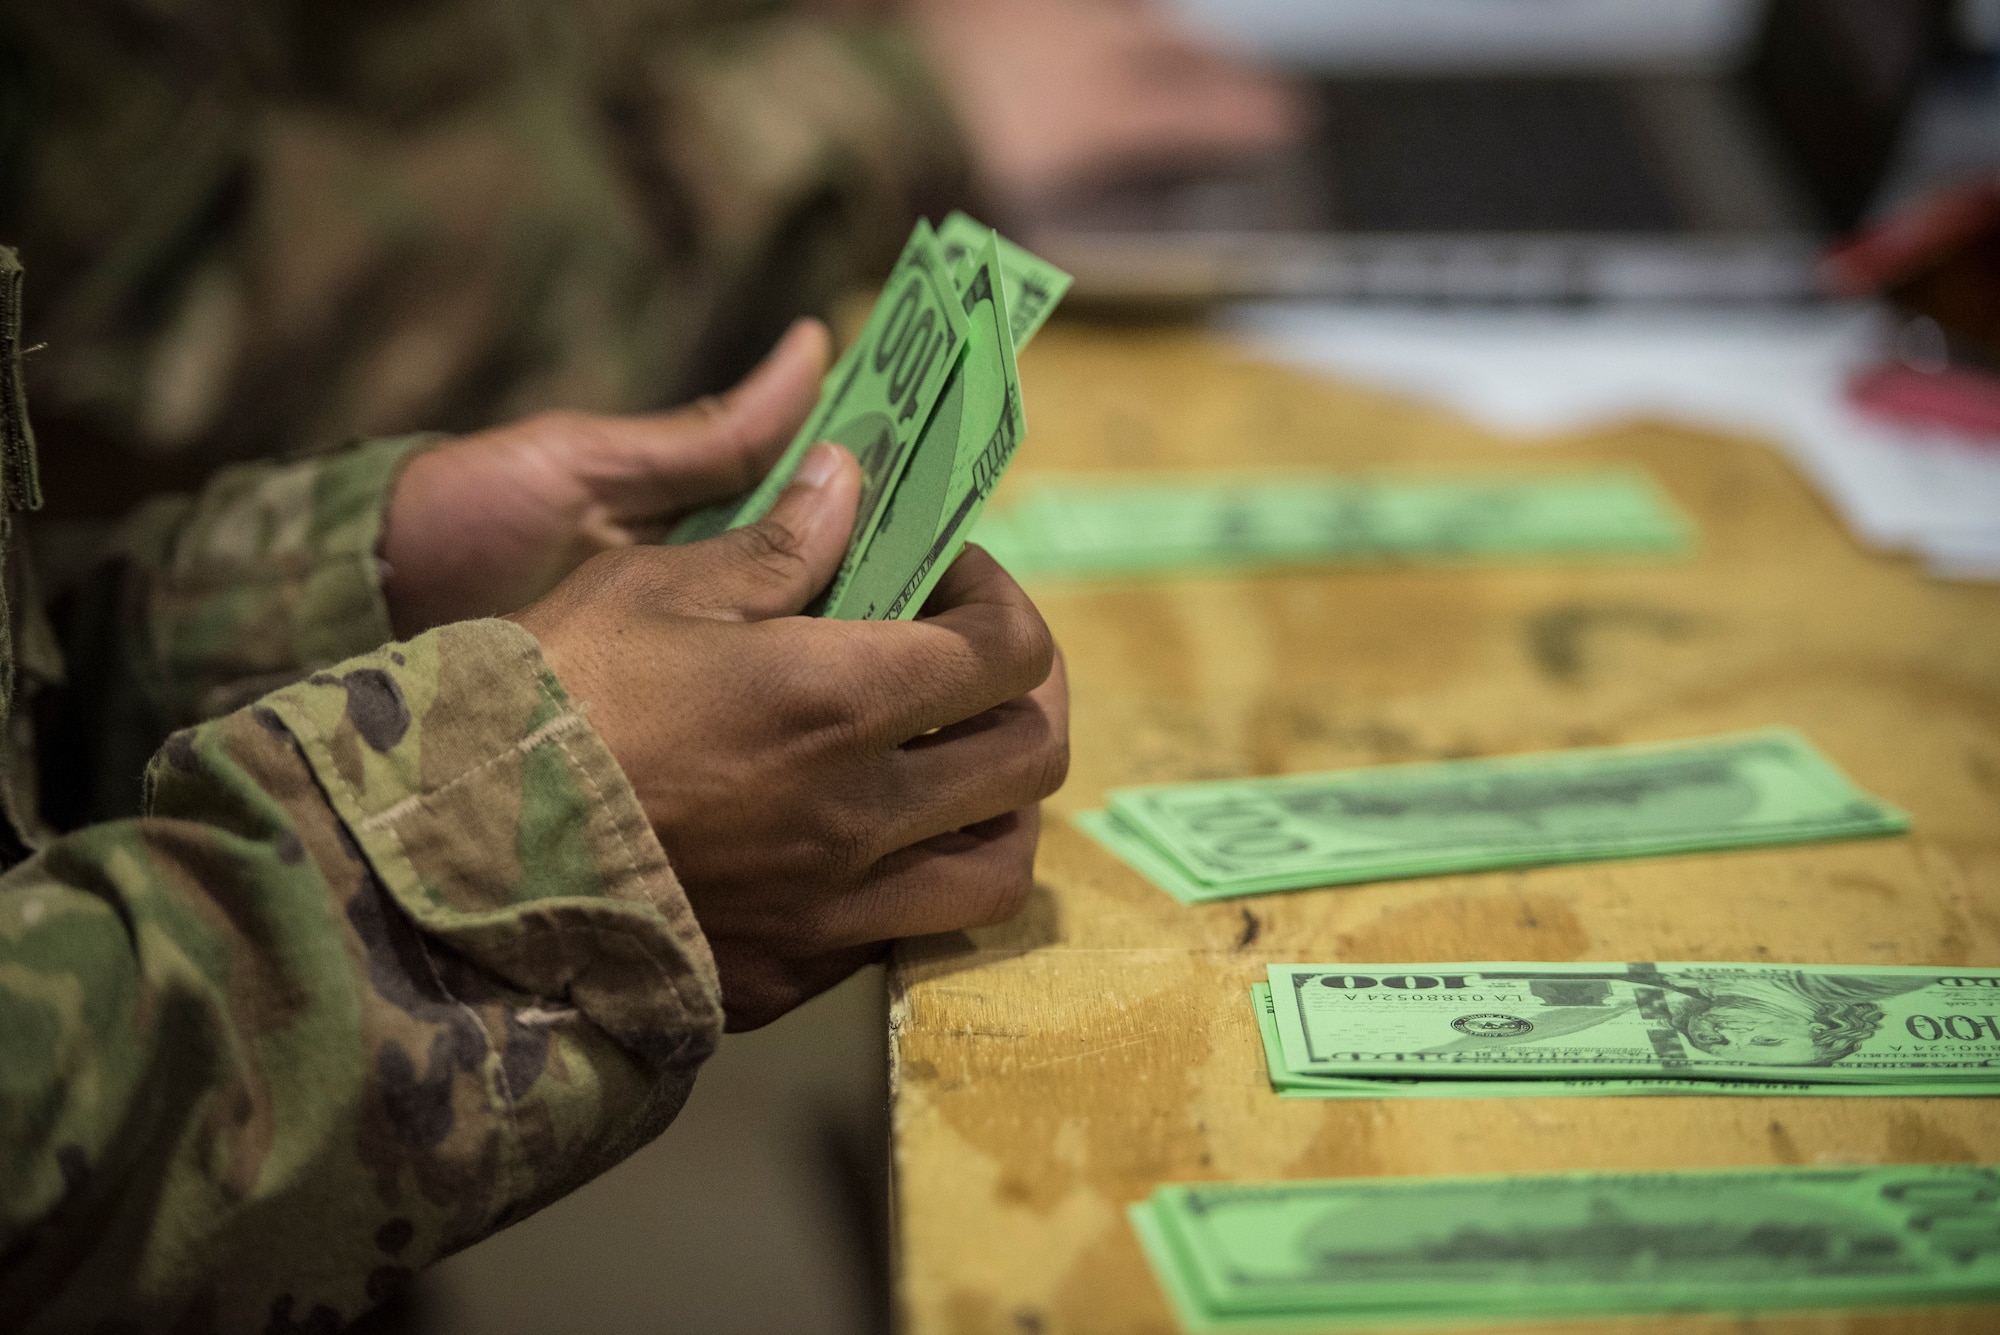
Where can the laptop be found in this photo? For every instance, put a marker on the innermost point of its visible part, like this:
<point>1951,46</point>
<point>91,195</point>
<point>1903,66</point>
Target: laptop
<point>1505,185</point>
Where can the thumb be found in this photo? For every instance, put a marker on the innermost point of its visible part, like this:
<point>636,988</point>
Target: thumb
<point>776,566</point>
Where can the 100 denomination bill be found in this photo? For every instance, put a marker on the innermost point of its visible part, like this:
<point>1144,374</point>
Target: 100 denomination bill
<point>1527,1084</point>
<point>1367,1251</point>
<point>1031,285</point>
<point>1252,835</point>
<point>1807,1023</point>
<point>922,529</point>
<point>928,399</point>
<point>878,397</point>
<point>1103,525</point>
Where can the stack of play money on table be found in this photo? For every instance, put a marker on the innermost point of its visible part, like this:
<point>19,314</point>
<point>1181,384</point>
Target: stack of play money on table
<point>1116,525</point>
<point>928,398</point>
<point>1540,1030</point>
<point>1203,841</point>
<point>1382,1253</point>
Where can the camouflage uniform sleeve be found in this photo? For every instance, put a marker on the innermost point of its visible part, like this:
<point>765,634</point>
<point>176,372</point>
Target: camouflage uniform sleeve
<point>781,158</point>
<point>440,214</point>
<point>391,959</point>
<point>760,117</point>
<point>268,571</point>
<point>202,603</point>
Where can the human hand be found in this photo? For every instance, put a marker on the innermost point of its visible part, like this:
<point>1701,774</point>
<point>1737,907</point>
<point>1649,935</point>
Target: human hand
<point>492,521</point>
<point>1053,94</point>
<point>821,787</point>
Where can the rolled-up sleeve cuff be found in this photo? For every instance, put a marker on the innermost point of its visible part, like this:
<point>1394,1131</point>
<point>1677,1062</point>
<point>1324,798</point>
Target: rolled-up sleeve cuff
<point>274,571</point>
<point>480,795</point>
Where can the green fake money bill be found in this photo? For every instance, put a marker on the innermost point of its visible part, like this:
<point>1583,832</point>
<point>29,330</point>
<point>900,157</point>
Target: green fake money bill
<point>1083,525</point>
<point>877,398</point>
<point>922,495</point>
<point>972,435</point>
<point>1291,1084</point>
<point>1816,1024</point>
<point>1032,286</point>
<point>1132,848</point>
<point>1203,841</point>
<point>1358,1253</point>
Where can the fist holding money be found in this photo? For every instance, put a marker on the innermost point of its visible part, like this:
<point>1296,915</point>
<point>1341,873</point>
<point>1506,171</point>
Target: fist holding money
<point>821,787</point>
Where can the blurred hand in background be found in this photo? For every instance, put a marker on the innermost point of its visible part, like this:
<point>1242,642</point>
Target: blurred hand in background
<point>1054,95</point>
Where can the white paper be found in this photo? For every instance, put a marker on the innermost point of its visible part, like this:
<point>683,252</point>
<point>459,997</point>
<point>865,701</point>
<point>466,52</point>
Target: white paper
<point>1482,34</point>
<point>1529,374</point>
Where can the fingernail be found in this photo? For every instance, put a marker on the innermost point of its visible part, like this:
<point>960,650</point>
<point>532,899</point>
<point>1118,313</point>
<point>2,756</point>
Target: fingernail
<point>793,333</point>
<point>818,467</point>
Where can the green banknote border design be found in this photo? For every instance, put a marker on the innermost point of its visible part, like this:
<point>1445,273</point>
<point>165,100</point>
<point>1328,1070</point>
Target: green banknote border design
<point>1208,1295</point>
<point>1289,1084</point>
<point>1125,844</point>
<point>984,456</point>
<point>1300,1058</point>
<point>919,260</point>
<point>1157,858</point>
<point>1035,516</point>
<point>1033,286</point>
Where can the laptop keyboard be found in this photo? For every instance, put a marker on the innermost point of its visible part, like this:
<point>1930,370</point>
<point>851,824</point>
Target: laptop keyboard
<point>1489,155</point>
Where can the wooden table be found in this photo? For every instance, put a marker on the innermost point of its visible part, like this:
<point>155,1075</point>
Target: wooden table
<point>1048,1072</point>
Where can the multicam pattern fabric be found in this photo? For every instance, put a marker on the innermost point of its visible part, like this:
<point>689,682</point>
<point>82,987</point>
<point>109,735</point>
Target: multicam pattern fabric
<point>392,959</point>
<point>258,227</point>
<point>387,956</point>
<point>199,604</point>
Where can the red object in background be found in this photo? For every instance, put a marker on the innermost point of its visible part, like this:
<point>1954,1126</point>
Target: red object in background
<point>1938,263</point>
<point>1902,246</point>
<point>1966,401</point>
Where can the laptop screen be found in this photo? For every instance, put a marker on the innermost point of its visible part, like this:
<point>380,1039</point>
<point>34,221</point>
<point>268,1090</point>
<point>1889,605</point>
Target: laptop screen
<point>1836,78</point>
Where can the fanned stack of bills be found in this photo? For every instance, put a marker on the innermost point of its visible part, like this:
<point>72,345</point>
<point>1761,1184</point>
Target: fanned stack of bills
<point>928,398</point>
<point>1203,841</point>
<point>1547,1030</point>
<point>1081,526</point>
<point>1374,1253</point>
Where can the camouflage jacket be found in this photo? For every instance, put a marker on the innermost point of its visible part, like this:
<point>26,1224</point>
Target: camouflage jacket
<point>389,958</point>
<point>258,227</point>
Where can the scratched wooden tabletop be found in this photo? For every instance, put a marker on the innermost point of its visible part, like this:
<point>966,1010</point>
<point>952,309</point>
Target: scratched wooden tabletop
<point>1048,1072</point>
